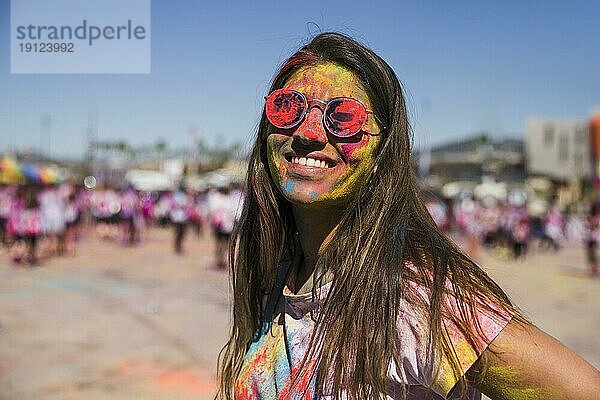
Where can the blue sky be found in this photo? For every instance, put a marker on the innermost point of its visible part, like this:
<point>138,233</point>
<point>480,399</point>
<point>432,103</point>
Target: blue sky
<point>467,67</point>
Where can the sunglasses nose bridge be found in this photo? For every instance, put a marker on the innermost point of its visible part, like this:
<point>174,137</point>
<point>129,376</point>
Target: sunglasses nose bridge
<point>316,103</point>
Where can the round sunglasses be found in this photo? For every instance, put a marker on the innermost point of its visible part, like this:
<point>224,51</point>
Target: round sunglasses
<point>342,116</point>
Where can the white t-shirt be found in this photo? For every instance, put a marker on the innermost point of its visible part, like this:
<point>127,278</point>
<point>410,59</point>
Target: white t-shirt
<point>275,356</point>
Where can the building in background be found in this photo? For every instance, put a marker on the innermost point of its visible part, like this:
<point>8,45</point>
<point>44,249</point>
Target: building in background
<point>472,159</point>
<point>558,149</point>
<point>595,148</point>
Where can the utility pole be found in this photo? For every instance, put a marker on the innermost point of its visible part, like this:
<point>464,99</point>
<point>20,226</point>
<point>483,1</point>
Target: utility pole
<point>92,140</point>
<point>45,135</point>
<point>193,151</point>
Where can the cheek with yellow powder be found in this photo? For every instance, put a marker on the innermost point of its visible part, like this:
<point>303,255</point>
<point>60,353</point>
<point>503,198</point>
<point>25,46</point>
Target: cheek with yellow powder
<point>277,168</point>
<point>360,158</point>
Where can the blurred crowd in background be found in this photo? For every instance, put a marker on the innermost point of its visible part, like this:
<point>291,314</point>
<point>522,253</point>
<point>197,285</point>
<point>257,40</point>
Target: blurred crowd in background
<point>42,221</point>
<point>509,228</point>
<point>46,220</point>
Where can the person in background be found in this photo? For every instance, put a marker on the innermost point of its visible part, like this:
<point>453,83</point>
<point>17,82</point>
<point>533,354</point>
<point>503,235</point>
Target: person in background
<point>222,207</point>
<point>521,234</point>
<point>52,215</point>
<point>160,209</point>
<point>26,227</point>
<point>468,212</point>
<point>591,234</point>
<point>197,211</point>
<point>129,215</point>
<point>180,204</point>
<point>147,201</point>
<point>73,220</point>
<point>105,207</point>
<point>7,197</point>
<point>554,227</point>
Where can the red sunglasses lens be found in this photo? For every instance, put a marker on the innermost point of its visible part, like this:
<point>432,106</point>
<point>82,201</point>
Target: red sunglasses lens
<point>285,108</point>
<point>345,116</point>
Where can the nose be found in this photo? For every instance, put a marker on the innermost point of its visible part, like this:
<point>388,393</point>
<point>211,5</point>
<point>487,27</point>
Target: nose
<point>311,131</point>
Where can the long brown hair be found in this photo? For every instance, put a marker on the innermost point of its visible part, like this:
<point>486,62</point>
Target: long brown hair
<point>385,226</point>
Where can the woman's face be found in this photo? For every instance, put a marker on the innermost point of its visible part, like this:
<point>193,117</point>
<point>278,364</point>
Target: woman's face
<point>342,164</point>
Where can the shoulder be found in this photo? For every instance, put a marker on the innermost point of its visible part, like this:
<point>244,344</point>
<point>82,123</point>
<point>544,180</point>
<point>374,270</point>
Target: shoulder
<point>514,371</point>
<point>465,327</point>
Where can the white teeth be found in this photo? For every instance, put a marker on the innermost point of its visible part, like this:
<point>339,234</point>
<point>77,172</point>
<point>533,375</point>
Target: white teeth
<point>310,162</point>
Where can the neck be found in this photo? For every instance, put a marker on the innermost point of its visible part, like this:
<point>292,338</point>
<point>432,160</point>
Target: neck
<point>315,228</point>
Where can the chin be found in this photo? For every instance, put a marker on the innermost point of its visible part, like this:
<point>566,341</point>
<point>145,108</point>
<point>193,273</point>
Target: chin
<point>300,198</point>
<point>312,200</point>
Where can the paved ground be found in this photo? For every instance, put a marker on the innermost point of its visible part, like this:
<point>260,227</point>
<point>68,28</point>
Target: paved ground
<point>142,323</point>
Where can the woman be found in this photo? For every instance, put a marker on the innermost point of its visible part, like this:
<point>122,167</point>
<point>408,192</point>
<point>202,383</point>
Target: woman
<point>343,286</point>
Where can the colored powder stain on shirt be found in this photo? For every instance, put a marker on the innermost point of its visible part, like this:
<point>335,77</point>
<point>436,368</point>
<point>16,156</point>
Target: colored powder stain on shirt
<point>274,366</point>
<point>267,372</point>
<point>466,357</point>
<point>265,366</point>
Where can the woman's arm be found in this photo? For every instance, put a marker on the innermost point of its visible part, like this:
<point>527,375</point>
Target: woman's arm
<point>524,363</point>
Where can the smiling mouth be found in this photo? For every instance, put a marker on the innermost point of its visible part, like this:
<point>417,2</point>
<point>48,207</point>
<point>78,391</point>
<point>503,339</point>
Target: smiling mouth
<point>310,162</point>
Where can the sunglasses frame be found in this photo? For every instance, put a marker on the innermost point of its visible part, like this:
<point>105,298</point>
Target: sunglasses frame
<point>322,105</point>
